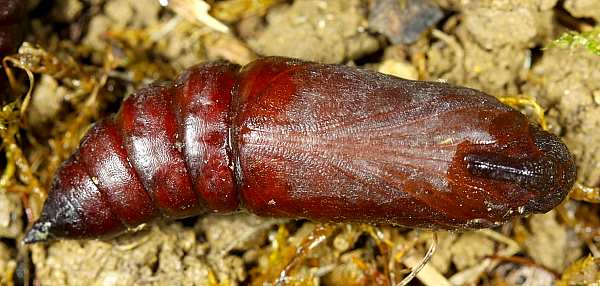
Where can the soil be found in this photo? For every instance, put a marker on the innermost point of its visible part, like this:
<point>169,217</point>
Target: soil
<point>499,46</point>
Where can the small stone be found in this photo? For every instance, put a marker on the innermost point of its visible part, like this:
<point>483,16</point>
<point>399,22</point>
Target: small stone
<point>403,21</point>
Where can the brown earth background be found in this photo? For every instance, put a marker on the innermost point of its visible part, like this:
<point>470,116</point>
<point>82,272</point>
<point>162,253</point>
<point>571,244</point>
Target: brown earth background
<point>84,57</point>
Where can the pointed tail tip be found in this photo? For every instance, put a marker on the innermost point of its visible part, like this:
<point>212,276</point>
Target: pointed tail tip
<point>38,233</point>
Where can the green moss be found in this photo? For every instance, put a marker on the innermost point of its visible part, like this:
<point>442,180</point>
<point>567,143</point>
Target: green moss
<point>588,39</point>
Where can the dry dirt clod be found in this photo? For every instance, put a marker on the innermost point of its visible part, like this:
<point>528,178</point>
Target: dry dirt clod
<point>583,8</point>
<point>470,248</point>
<point>323,31</point>
<point>548,243</point>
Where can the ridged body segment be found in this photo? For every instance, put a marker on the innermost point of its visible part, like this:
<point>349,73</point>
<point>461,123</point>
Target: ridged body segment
<point>109,167</point>
<point>151,137</point>
<point>288,138</point>
<point>202,99</point>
